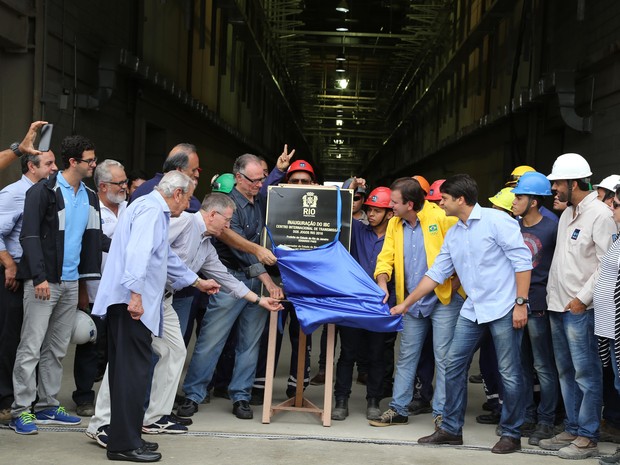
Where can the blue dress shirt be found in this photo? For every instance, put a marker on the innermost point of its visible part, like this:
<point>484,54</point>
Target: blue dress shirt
<point>75,218</point>
<point>415,268</point>
<point>140,260</point>
<point>485,252</point>
<point>11,212</point>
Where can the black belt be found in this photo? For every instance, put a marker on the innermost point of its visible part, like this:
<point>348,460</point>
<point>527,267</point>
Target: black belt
<point>168,294</point>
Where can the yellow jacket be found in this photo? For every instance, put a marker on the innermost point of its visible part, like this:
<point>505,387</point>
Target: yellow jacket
<point>435,225</point>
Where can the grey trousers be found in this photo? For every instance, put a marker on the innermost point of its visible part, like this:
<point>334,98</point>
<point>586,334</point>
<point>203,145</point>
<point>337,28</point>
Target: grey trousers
<point>45,337</point>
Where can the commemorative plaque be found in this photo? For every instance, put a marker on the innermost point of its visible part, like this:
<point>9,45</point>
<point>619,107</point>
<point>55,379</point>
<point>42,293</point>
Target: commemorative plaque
<point>305,216</point>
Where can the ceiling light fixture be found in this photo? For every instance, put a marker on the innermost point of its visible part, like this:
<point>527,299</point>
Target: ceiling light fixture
<point>342,29</point>
<point>343,6</point>
<point>341,57</point>
<point>340,67</point>
<point>339,122</point>
<point>342,83</point>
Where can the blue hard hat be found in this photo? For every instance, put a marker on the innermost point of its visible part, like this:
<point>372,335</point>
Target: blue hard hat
<point>533,183</point>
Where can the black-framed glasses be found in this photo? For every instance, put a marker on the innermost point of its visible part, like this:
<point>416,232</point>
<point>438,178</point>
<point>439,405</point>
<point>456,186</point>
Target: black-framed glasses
<point>300,181</point>
<point>357,198</point>
<point>228,219</point>
<point>89,162</point>
<point>615,204</point>
<point>253,181</point>
<point>125,182</point>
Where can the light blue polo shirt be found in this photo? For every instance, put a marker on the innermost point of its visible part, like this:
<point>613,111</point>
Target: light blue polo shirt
<point>73,219</point>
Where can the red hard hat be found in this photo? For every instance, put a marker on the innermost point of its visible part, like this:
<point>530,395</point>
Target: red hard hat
<point>434,193</point>
<point>423,183</point>
<point>300,165</point>
<point>379,197</point>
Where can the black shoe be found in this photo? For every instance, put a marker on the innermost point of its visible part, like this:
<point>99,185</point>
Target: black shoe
<point>187,408</point>
<point>135,455</point>
<point>487,407</point>
<point>442,437</point>
<point>341,410</point>
<point>489,418</point>
<point>258,396</point>
<point>416,407</point>
<point>475,379</point>
<point>180,420</point>
<point>242,410</point>
<point>150,446</point>
<point>221,392</point>
<point>373,411</point>
<point>291,392</point>
<point>527,429</point>
<point>318,379</point>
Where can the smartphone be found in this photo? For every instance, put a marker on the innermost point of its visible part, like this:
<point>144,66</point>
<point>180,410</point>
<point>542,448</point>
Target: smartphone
<point>46,137</point>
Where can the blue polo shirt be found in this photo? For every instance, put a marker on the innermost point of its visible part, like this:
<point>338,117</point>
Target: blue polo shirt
<point>73,219</point>
<point>416,267</point>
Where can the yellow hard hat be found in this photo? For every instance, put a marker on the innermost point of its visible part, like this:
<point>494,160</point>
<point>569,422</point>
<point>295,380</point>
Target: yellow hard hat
<point>503,199</point>
<point>517,173</point>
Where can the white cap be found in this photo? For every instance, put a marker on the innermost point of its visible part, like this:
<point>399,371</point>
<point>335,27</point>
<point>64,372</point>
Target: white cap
<point>570,166</point>
<point>609,183</point>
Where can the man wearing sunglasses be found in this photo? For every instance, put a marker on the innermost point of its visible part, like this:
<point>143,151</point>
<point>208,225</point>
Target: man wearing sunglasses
<point>62,242</point>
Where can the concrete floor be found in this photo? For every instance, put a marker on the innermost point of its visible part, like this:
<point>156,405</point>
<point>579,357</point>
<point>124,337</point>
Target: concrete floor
<point>218,437</point>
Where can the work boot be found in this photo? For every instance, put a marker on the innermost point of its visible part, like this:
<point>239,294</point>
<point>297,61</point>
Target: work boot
<point>341,410</point>
<point>318,379</point>
<point>373,412</point>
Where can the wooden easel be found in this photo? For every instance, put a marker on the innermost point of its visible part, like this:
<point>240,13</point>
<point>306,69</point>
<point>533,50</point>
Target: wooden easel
<point>298,403</point>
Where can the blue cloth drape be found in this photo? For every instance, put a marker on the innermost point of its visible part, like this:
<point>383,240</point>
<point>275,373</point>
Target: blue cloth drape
<point>327,285</point>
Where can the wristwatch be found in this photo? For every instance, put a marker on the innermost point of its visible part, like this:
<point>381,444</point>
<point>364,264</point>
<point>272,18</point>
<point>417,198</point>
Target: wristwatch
<point>15,148</point>
<point>257,302</point>
<point>522,300</point>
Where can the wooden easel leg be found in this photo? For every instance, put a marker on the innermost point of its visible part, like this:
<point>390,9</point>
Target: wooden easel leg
<point>270,368</point>
<point>301,369</point>
<point>329,375</point>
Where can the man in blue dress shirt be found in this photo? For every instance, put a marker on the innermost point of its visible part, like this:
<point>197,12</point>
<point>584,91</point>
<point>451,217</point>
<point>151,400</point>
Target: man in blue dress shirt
<point>486,249</point>
<point>131,295</point>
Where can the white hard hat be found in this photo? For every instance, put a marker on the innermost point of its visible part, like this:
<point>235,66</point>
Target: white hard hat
<point>84,329</point>
<point>570,166</point>
<point>609,183</point>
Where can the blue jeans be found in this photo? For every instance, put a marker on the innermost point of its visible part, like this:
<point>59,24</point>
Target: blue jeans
<point>442,320</point>
<point>222,312</point>
<point>507,341</point>
<point>537,354</point>
<point>580,371</point>
<point>183,307</point>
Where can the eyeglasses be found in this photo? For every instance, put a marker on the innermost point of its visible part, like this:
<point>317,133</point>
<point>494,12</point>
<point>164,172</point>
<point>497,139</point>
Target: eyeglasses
<point>300,181</point>
<point>89,162</point>
<point>125,182</point>
<point>615,204</point>
<point>253,181</point>
<point>228,219</point>
<point>357,198</point>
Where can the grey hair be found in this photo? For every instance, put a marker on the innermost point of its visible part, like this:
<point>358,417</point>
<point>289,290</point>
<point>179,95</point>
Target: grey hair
<point>26,157</point>
<point>218,202</point>
<point>243,161</point>
<point>172,181</point>
<point>178,158</point>
<point>103,172</point>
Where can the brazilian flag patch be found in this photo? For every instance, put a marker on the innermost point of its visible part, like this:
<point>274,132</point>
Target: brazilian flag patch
<point>433,228</point>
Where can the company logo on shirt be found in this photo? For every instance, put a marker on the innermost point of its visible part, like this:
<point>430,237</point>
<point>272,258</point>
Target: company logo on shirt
<point>433,229</point>
<point>575,234</point>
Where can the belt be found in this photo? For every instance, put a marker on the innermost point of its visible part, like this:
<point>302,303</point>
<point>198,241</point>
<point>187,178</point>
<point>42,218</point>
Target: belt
<point>168,294</point>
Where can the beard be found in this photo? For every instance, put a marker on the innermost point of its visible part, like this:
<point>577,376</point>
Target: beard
<point>116,198</point>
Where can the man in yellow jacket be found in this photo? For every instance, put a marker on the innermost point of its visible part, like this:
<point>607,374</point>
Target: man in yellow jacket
<point>413,239</point>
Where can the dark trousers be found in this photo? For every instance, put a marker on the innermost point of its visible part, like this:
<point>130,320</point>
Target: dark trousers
<point>492,381</point>
<point>611,398</point>
<point>11,317</point>
<point>423,388</point>
<point>87,363</point>
<point>350,339</point>
<point>129,355</point>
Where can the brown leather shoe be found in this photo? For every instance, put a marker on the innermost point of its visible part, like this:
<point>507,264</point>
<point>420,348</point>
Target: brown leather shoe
<point>506,445</point>
<point>442,437</point>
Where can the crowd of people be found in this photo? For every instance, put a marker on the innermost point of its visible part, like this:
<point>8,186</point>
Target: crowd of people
<point>536,292</point>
